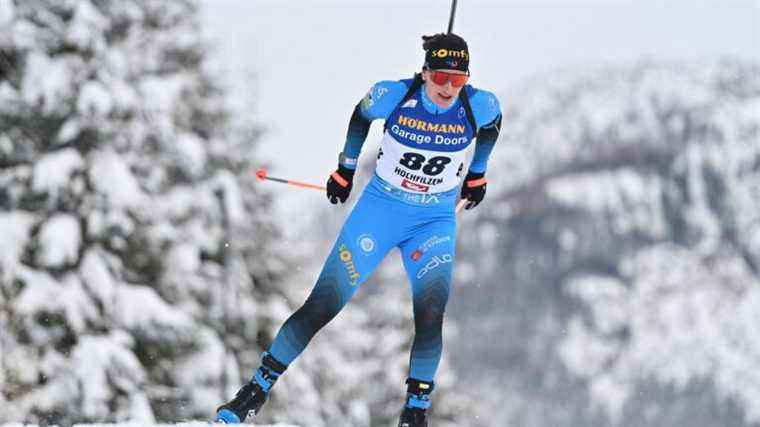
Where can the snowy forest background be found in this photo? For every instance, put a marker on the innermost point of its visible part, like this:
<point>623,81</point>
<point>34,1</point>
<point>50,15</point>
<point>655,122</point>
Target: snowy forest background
<point>611,278</point>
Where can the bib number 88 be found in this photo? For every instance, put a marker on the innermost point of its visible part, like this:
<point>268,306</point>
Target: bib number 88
<point>432,167</point>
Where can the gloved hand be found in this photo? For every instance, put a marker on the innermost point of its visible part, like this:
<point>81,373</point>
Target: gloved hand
<point>339,184</point>
<point>474,188</point>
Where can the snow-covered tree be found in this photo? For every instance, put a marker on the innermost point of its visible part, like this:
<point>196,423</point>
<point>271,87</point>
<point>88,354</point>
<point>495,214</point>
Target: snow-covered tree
<point>140,273</point>
<point>137,261</point>
<point>618,251</point>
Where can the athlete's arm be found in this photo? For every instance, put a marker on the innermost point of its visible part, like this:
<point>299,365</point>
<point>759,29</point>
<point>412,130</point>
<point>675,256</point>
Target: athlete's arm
<point>487,136</point>
<point>485,108</point>
<point>379,103</point>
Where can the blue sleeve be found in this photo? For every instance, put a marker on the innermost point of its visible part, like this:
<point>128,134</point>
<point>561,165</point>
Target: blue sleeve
<point>378,103</point>
<point>382,99</point>
<point>485,107</point>
<point>487,112</point>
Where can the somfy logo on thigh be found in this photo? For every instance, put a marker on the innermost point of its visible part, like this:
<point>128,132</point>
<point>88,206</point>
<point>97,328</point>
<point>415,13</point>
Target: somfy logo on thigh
<point>348,261</point>
<point>434,263</point>
<point>367,243</point>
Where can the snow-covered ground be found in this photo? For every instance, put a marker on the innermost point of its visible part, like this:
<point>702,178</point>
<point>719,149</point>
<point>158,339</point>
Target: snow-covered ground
<point>189,424</point>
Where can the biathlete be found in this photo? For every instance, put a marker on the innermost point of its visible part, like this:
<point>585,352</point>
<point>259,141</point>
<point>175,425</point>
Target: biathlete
<point>409,203</point>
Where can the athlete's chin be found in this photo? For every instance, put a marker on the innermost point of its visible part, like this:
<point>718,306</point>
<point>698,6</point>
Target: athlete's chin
<point>444,100</point>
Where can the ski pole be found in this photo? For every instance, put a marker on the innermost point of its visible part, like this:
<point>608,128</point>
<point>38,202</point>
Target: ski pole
<point>453,14</point>
<point>262,175</point>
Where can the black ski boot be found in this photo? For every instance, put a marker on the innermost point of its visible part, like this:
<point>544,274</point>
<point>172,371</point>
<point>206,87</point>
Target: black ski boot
<point>249,399</point>
<point>417,403</point>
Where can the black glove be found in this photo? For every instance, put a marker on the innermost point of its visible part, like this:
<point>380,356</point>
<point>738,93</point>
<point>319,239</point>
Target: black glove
<point>339,185</point>
<point>474,188</point>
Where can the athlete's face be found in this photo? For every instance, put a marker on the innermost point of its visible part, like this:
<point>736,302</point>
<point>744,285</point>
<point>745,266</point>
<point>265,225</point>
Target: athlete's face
<point>442,95</point>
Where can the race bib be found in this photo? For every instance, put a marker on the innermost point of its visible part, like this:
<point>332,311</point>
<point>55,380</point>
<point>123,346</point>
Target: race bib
<point>418,170</point>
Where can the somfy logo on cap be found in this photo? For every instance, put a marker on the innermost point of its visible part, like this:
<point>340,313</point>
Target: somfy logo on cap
<point>445,53</point>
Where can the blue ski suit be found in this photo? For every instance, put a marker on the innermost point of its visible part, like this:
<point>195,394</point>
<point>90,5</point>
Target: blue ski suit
<point>409,204</point>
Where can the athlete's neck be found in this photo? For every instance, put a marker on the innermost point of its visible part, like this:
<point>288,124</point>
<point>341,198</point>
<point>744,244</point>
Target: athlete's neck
<point>431,106</point>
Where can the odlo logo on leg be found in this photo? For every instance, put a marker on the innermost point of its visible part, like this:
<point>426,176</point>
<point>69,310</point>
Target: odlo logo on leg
<point>433,263</point>
<point>348,261</point>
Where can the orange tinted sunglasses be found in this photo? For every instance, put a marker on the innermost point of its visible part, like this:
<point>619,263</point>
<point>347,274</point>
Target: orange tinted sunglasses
<point>441,77</point>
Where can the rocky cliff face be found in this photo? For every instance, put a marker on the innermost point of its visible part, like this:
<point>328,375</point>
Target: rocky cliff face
<point>612,277</point>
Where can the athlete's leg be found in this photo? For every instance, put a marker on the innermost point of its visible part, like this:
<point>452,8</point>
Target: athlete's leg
<point>363,242</point>
<point>429,262</point>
